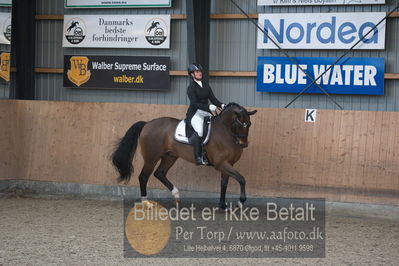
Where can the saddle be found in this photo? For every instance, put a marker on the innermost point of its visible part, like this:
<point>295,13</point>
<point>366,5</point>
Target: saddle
<point>181,136</point>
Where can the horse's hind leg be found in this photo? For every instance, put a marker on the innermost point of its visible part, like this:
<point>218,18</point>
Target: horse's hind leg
<point>143,178</point>
<point>166,163</point>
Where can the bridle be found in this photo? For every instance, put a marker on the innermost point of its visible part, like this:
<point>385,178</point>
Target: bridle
<point>239,136</point>
<point>236,135</point>
<point>244,125</point>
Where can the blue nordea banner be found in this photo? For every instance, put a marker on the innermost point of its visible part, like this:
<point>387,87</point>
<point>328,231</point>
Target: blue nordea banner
<point>349,76</point>
<point>322,30</point>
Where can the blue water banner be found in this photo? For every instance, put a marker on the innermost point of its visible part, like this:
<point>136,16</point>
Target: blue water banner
<point>349,76</point>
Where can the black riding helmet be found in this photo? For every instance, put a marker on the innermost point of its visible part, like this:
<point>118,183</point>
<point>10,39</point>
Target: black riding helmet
<point>193,67</point>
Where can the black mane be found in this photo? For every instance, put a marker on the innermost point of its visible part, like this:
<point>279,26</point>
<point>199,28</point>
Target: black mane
<point>233,104</point>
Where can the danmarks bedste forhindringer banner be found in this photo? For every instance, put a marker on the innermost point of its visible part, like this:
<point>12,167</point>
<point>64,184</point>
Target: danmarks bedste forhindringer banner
<point>117,31</point>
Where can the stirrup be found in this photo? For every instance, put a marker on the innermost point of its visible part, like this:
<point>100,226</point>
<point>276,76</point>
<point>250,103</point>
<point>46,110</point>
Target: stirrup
<point>204,160</point>
<point>199,161</point>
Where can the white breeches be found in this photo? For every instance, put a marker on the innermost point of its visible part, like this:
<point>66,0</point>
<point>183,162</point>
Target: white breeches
<point>198,121</point>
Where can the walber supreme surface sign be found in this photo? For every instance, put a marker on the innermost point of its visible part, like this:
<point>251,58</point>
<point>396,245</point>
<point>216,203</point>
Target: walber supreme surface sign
<point>117,72</point>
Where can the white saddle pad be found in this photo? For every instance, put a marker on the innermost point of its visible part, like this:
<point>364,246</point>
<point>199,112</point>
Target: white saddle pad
<point>180,133</point>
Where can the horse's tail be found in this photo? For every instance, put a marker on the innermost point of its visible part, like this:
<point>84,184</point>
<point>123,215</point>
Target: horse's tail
<point>123,155</point>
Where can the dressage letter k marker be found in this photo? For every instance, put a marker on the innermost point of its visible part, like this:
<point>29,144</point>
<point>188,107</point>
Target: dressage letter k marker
<point>309,116</point>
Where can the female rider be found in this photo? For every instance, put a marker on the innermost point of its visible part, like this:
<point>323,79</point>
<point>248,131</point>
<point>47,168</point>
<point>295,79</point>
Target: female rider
<point>199,92</point>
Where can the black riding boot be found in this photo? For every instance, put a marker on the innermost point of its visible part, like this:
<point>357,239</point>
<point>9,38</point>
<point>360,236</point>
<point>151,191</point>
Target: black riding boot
<point>196,141</point>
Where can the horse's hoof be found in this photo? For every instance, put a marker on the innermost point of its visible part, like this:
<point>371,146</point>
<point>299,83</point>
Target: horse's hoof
<point>176,194</point>
<point>228,210</point>
<point>147,204</point>
<point>225,208</point>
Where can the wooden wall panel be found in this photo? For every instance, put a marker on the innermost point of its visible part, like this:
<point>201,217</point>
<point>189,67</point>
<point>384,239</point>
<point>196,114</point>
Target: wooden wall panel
<point>8,162</point>
<point>344,156</point>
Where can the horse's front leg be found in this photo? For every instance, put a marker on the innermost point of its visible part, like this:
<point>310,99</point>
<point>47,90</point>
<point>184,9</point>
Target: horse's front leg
<point>228,169</point>
<point>223,188</point>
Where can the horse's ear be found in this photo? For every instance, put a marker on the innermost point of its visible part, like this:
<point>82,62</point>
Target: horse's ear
<point>252,112</point>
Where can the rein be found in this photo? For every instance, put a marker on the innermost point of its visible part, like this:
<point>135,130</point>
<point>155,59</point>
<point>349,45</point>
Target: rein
<point>238,137</point>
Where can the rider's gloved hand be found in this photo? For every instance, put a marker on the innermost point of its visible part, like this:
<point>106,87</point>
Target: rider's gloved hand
<point>212,108</point>
<point>223,106</point>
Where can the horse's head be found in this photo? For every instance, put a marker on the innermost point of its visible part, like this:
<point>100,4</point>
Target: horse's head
<point>237,118</point>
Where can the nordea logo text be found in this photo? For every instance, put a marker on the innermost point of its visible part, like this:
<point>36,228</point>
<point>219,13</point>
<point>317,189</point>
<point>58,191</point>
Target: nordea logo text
<point>322,31</point>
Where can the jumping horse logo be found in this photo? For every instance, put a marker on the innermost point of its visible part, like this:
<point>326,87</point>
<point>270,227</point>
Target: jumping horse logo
<point>7,29</point>
<point>156,31</point>
<point>75,30</point>
<point>154,25</point>
<point>74,24</point>
<point>79,72</point>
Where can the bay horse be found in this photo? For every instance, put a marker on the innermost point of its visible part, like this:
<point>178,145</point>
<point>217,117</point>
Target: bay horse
<point>229,135</point>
